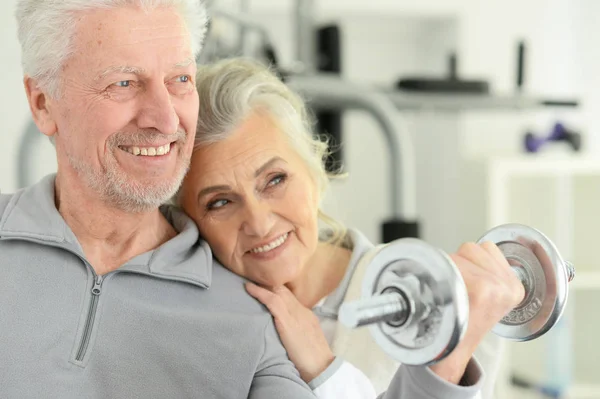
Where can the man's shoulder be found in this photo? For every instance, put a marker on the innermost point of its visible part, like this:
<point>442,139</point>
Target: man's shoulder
<point>5,199</point>
<point>229,289</point>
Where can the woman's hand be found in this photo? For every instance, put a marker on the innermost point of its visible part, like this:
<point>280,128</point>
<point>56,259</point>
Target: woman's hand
<point>493,289</point>
<point>298,328</point>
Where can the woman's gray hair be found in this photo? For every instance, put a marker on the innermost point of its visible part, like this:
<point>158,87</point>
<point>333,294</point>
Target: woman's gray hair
<point>46,29</point>
<point>232,89</point>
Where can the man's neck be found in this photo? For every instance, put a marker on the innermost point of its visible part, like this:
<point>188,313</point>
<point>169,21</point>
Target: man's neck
<point>108,235</point>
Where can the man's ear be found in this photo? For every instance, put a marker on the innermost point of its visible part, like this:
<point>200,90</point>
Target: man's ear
<point>39,104</point>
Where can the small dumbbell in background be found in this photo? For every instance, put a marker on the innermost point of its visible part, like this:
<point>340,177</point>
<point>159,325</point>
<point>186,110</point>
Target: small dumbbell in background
<point>559,133</point>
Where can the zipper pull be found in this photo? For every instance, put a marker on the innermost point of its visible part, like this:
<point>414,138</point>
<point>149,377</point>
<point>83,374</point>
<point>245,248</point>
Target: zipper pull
<point>97,285</point>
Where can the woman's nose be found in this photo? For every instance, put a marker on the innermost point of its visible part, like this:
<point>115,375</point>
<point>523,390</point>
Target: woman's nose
<point>259,219</point>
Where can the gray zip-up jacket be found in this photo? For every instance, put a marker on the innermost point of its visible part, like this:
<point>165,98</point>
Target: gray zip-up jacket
<point>170,323</point>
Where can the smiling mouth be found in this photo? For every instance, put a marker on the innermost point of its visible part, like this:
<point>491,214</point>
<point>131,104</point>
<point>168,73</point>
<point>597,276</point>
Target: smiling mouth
<point>270,246</point>
<point>147,151</point>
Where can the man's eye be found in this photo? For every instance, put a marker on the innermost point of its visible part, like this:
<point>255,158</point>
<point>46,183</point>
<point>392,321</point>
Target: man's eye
<point>183,78</point>
<point>123,83</point>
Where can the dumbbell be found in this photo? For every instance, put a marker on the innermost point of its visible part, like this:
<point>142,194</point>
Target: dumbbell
<point>559,133</point>
<point>415,302</point>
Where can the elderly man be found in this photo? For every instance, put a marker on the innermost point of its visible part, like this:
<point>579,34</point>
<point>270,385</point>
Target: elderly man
<point>103,292</point>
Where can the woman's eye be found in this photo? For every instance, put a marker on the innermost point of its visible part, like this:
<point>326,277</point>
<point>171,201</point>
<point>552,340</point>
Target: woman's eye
<point>276,180</point>
<point>217,204</point>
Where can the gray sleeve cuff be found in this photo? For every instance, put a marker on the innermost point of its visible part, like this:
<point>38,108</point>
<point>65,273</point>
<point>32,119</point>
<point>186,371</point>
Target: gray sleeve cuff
<point>435,387</point>
<point>326,374</point>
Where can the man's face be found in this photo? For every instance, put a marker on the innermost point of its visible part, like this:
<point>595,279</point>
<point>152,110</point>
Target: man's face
<point>128,111</point>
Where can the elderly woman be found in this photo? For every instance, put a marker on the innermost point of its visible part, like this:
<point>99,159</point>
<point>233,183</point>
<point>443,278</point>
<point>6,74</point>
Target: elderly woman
<point>254,188</point>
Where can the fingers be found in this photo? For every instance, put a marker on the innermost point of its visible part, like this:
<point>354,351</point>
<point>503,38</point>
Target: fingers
<point>482,255</point>
<point>282,303</point>
<point>494,251</point>
<point>462,263</point>
<point>298,328</point>
<point>499,276</point>
<point>497,254</point>
<point>271,300</point>
<point>287,296</point>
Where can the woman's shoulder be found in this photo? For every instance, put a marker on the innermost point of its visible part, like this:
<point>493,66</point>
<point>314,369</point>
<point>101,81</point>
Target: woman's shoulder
<point>359,243</point>
<point>359,246</point>
<point>353,240</point>
<point>357,346</point>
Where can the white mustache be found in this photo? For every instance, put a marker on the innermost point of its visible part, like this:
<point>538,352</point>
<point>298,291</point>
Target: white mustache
<point>146,137</point>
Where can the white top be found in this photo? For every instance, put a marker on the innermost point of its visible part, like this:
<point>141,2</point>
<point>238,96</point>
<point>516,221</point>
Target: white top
<point>347,382</point>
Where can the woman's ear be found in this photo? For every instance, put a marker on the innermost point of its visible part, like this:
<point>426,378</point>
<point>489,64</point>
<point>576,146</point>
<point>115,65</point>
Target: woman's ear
<point>39,105</point>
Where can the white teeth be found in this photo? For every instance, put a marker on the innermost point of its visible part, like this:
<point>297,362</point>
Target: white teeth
<point>149,151</point>
<point>272,245</point>
<point>165,149</point>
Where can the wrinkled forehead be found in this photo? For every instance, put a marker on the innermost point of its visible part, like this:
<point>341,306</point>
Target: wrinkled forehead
<point>226,160</point>
<point>130,24</point>
<point>242,152</point>
<point>126,35</point>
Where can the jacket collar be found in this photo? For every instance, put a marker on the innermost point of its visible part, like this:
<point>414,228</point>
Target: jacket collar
<point>31,214</point>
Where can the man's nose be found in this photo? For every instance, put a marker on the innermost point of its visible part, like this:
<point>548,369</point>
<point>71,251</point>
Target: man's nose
<point>157,111</point>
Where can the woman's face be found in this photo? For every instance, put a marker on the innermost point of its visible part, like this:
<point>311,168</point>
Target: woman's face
<point>255,202</point>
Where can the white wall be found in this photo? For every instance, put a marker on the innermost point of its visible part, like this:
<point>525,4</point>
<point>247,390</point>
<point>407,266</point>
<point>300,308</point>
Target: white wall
<point>552,30</point>
<point>390,39</point>
<point>13,103</point>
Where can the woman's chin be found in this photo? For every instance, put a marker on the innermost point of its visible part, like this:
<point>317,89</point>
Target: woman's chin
<point>274,281</point>
<point>275,277</point>
<point>273,273</point>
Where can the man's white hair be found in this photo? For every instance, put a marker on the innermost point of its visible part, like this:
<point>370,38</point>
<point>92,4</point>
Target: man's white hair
<point>46,29</point>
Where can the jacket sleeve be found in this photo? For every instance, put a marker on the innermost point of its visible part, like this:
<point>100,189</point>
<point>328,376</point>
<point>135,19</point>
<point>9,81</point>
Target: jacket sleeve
<point>489,354</point>
<point>412,382</point>
<point>276,376</point>
<point>342,380</point>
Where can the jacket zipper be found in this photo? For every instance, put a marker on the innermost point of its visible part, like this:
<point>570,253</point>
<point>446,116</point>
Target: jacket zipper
<point>89,322</point>
<point>96,289</point>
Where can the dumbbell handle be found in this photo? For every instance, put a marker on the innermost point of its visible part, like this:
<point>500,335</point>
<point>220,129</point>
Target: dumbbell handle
<point>570,271</point>
<point>388,307</point>
<point>393,307</point>
<point>527,283</point>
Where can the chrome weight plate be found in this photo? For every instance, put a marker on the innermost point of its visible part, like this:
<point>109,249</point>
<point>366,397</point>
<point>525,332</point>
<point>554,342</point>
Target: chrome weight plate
<point>544,274</point>
<point>434,292</point>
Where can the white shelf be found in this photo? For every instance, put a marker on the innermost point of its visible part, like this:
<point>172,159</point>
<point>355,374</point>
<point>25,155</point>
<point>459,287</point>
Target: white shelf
<point>407,100</point>
<point>547,165</point>
<point>561,209</point>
